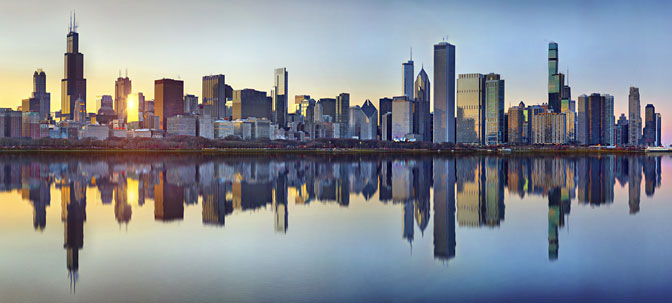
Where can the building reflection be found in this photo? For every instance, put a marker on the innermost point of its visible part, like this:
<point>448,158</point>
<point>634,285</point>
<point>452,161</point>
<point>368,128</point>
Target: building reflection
<point>468,192</point>
<point>444,209</point>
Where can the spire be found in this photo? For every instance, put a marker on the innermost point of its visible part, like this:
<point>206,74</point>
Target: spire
<point>74,21</point>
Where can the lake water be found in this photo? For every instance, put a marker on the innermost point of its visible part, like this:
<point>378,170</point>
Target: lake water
<point>198,228</point>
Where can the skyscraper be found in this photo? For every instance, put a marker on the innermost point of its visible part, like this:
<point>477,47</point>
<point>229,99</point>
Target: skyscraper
<point>650,132</point>
<point>555,79</point>
<point>658,130</point>
<point>280,97</point>
<point>422,101</point>
<point>40,99</point>
<point>622,131</point>
<point>343,113</point>
<point>634,117</point>
<point>469,124</point>
<point>168,100</point>
<point>494,109</point>
<point>444,93</point>
<point>214,93</point>
<point>384,107</point>
<point>73,85</point>
<point>607,123</point>
<point>402,118</point>
<point>516,121</point>
<point>596,119</point>
<point>407,79</point>
<point>122,88</point>
<point>250,103</point>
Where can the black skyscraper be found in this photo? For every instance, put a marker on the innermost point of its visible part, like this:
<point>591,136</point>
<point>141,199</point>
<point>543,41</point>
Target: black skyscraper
<point>73,85</point>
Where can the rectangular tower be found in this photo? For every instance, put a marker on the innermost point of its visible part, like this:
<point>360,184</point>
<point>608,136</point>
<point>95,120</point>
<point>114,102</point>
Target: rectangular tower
<point>214,93</point>
<point>280,97</point>
<point>168,100</point>
<point>444,93</point>
<point>634,117</point>
<point>73,85</point>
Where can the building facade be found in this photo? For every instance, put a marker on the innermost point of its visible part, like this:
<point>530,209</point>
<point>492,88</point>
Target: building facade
<point>407,79</point>
<point>248,103</point>
<point>470,109</point>
<point>634,117</point>
<point>422,106</point>
<point>168,100</point>
<point>494,110</point>
<point>73,85</point>
<point>402,118</point>
<point>444,93</point>
<point>214,93</point>
<point>122,88</point>
<point>343,113</point>
<point>280,97</point>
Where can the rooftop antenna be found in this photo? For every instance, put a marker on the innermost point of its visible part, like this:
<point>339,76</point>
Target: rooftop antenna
<point>411,53</point>
<point>127,72</point>
<point>74,21</point>
<point>70,23</point>
<point>120,73</point>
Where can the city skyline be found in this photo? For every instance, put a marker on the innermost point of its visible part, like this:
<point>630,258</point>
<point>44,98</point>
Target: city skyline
<point>373,76</point>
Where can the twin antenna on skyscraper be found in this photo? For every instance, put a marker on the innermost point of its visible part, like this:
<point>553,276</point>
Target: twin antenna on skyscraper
<point>73,22</point>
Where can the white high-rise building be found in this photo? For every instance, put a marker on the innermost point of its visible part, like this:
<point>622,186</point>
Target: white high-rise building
<point>280,96</point>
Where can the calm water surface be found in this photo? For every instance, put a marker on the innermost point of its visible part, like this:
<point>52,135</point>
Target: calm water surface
<point>195,228</point>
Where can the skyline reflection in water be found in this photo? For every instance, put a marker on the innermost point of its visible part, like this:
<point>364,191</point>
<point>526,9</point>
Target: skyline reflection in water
<point>436,198</point>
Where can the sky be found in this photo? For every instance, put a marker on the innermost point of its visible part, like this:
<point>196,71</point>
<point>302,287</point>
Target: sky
<point>329,47</point>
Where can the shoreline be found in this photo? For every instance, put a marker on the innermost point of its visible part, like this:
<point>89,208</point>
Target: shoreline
<point>331,151</point>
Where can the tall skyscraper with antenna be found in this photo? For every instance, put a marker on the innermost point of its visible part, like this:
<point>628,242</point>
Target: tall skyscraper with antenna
<point>73,85</point>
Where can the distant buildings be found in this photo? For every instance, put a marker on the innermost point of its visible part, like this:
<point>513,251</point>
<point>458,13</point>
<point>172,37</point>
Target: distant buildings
<point>73,85</point>
<point>444,93</point>
<point>634,117</point>
<point>168,100</point>
<point>470,105</point>
<point>248,103</point>
<point>280,97</point>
